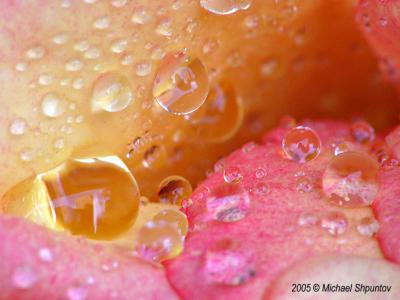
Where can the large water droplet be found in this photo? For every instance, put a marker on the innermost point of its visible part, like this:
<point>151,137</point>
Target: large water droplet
<point>52,105</point>
<point>335,223</point>
<point>111,92</point>
<point>24,277</point>
<point>181,85</point>
<point>301,144</point>
<point>351,179</point>
<point>225,7</point>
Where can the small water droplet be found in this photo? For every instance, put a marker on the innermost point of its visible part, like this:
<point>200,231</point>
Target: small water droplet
<point>59,143</point>
<point>60,39</point>
<point>119,46</point>
<point>45,254</point>
<point>127,59</point>
<point>18,127</point>
<point>301,144</point>
<point>52,105</point>
<point>73,65</point>
<point>225,7</point>
<point>181,85</point>
<point>82,46</point>
<point>24,277</point>
<point>368,227</point>
<point>92,53</point>
<point>174,189</point>
<point>119,3</point>
<point>164,27</point>
<point>78,83</point>
<point>362,132</point>
<point>269,67</point>
<point>111,92</point>
<point>35,53</point>
<point>351,179</point>
<point>140,16</point>
<point>228,203</point>
<point>154,156</point>
<point>77,293</point>
<point>26,155</point>
<point>307,220</point>
<point>232,175</point>
<point>143,68</point>
<point>335,223</point>
<point>101,23</point>
<point>21,66</point>
<point>304,184</point>
<point>45,79</point>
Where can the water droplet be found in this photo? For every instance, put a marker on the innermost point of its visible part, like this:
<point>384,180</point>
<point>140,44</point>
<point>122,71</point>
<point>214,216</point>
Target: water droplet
<point>174,189</point>
<point>143,69</point>
<point>227,267</point>
<point>251,22</point>
<point>21,66</point>
<point>307,220</point>
<point>174,218</point>
<point>155,156</point>
<point>368,227</point>
<point>158,240</point>
<point>73,65</point>
<point>82,46</point>
<point>60,39</point>
<point>301,144</point>
<point>119,46</point>
<point>77,293</point>
<point>24,277</point>
<point>59,143</point>
<point>45,79</point>
<point>111,92</point>
<point>304,184</point>
<point>351,179</point>
<point>45,254</point>
<point>164,28</point>
<point>232,175</point>
<point>362,132</point>
<point>260,173</point>
<point>35,53</point>
<point>127,60</point>
<point>101,23</point>
<point>140,16</point>
<point>26,155</point>
<point>225,7</point>
<point>181,85</point>
<point>119,3</point>
<point>228,203</point>
<point>52,105</point>
<point>220,117</point>
<point>260,188</point>
<point>78,83</point>
<point>92,53</point>
<point>335,223</point>
<point>18,127</point>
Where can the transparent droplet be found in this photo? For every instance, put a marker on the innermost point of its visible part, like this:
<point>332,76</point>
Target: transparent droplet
<point>26,155</point>
<point>335,223</point>
<point>45,254</point>
<point>174,218</point>
<point>301,144</point>
<point>59,143</point>
<point>77,293</point>
<point>101,23</point>
<point>60,39</point>
<point>158,240</point>
<point>45,79</point>
<point>97,198</point>
<point>35,53</point>
<point>119,46</point>
<point>119,3</point>
<point>24,277</point>
<point>82,46</point>
<point>92,53</point>
<point>143,69</point>
<point>111,92</point>
<point>174,189</point>
<point>232,175</point>
<point>351,179</point>
<point>21,66</point>
<point>368,227</point>
<point>304,184</point>
<point>18,127</point>
<point>225,7</point>
<point>308,220</point>
<point>228,203</point>
<point>362,132</point>
<point>164,27</point>
<point>228,267</point>
<point>73,65</point>
<point>220,117</point>
<point>140,16</point>
<point>181,85</point>
<point>154,157</point>
<point>52,105</point>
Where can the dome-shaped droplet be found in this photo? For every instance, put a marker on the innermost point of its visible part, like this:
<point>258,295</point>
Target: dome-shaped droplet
<point>52,105</point>
<point>301,144</point>
<point>45,254</point>
<point>18,127</point>
<point>181,85</point>
<point>158,240</point>
<point>174,189</point>
<point>225,7</point>
<point>111,92</point>
<point>174,218</point>
<point>351,179</point>
<point>335,223</point>
<point>232,175</point>
<point>362,132</point>
<point>219,118</point>
<point>368,227</point>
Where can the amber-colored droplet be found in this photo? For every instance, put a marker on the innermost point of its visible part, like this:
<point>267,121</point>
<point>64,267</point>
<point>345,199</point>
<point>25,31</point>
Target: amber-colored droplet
<point>175,218</point>
<point>174,189</point>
